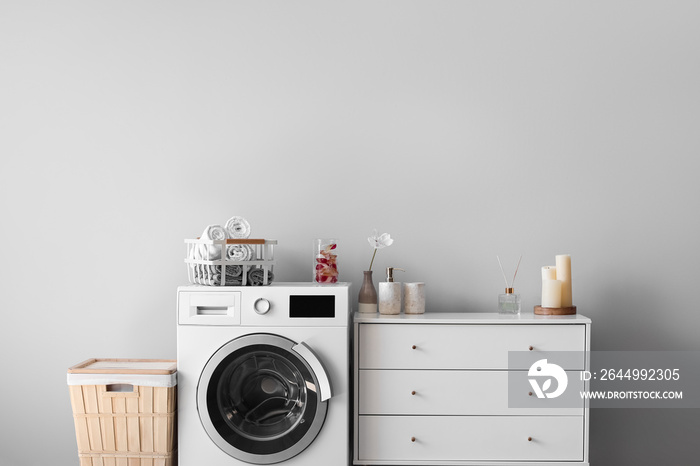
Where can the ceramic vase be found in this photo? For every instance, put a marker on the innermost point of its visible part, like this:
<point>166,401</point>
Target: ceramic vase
<point>414,298</point>
<point>367,301</point>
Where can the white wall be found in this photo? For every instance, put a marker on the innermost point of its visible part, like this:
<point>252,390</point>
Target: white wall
<point>465,129</point>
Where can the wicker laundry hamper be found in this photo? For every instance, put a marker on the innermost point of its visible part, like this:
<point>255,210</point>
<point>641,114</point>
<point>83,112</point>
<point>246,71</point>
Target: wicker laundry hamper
<point>124,411</point>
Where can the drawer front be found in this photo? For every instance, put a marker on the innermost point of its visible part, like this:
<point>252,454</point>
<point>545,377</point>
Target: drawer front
<point>457,438</point>
<point>211,308</point>
<point>416,346</point>
<point>421,392</point>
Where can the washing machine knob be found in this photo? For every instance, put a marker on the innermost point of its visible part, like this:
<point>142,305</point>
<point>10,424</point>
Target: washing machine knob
<point>262,306</point>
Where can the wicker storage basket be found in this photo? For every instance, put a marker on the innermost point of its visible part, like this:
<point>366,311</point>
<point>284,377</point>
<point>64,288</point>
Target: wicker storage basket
<point>124,411</point>
<point>255,270</point>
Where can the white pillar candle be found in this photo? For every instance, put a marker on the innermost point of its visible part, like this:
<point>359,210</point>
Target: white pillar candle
<point>551,293</point>
<point>549,272</point>
<point>414,298</point>
<point>563,262</point>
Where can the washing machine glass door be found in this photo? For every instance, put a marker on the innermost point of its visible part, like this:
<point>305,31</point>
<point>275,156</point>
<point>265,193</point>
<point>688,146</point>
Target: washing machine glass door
<point>263,398</point>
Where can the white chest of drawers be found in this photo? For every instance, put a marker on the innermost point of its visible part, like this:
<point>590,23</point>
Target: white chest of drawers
<point>432,389</point>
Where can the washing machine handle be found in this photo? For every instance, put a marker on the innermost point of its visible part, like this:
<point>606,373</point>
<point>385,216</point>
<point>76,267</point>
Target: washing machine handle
<point>324,389</point>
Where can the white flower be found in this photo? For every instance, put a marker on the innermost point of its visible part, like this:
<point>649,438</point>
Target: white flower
<point>379,242</point>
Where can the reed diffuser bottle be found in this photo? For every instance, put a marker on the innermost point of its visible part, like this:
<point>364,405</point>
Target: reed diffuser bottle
<point>509,302</point>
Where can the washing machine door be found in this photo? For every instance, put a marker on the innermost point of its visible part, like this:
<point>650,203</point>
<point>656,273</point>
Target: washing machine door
<point>263,398</point>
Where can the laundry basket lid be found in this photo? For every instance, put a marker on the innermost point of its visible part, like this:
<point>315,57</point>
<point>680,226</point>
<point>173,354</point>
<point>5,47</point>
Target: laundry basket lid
<point>145,372</point>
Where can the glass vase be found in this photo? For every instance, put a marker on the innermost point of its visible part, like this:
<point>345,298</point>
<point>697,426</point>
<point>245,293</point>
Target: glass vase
<point>325,260</point>
<point>509,302</point>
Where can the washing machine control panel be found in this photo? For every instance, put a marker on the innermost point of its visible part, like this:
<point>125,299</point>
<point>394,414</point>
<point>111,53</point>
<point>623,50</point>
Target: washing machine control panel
<point>302,306</point>
<point>288,305</point>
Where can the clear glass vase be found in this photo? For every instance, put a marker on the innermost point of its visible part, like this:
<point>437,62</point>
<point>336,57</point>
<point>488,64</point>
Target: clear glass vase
<point>509,302</point>
<point>325,260</point>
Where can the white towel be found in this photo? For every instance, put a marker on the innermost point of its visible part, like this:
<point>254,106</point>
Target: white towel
<point>211,252</point>
<point>239,252</point>
<point>238,227</point>
<point>214,232</point>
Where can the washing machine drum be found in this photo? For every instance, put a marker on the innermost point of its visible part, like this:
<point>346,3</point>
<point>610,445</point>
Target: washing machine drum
<point>263,398</point>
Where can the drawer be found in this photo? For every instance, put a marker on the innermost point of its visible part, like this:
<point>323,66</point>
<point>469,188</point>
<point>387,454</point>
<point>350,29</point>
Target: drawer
<point>210,308</point>
<point>462,438</point>
<point>421,392</point>
<point>416,346</point>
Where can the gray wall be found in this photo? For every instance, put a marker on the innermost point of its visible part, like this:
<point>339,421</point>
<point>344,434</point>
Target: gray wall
<point>464,129</point>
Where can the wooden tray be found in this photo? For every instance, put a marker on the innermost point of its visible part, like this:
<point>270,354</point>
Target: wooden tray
<point>555,311</point>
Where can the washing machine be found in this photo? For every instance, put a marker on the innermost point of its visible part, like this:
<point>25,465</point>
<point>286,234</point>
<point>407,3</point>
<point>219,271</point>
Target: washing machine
<point>263,375</point>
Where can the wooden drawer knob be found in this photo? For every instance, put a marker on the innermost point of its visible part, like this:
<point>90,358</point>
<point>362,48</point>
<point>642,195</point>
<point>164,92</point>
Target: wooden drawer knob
<point>529,394</point>
<point>531,348</point>
<point>413,439</point>
<point>529,439</point>
<point>413,392</point>
<point>413,347</point>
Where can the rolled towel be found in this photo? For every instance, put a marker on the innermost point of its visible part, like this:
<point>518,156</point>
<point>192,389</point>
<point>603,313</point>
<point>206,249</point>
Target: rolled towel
<point>238,227</point>
<point>230,281</point>
<point>205,270</point>
<point>215,233</point>
<point>193,274</point>
<point>256,276</point>
<point>195,252</point>
<point>214,279</point>
<point>209,271</point>
<point>234,271</point>
<point>239,252</point>
<point>202,275</point>
<point>210,252</point>
<point>210,275</point>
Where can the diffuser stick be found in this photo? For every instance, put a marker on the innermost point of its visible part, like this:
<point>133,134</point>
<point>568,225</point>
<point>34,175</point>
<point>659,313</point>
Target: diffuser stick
<point>504,274</point>
<point>509,302</point>
<point>516,271</point>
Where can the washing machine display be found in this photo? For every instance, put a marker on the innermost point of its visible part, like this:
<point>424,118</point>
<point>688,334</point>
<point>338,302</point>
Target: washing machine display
<point>263,398</point>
